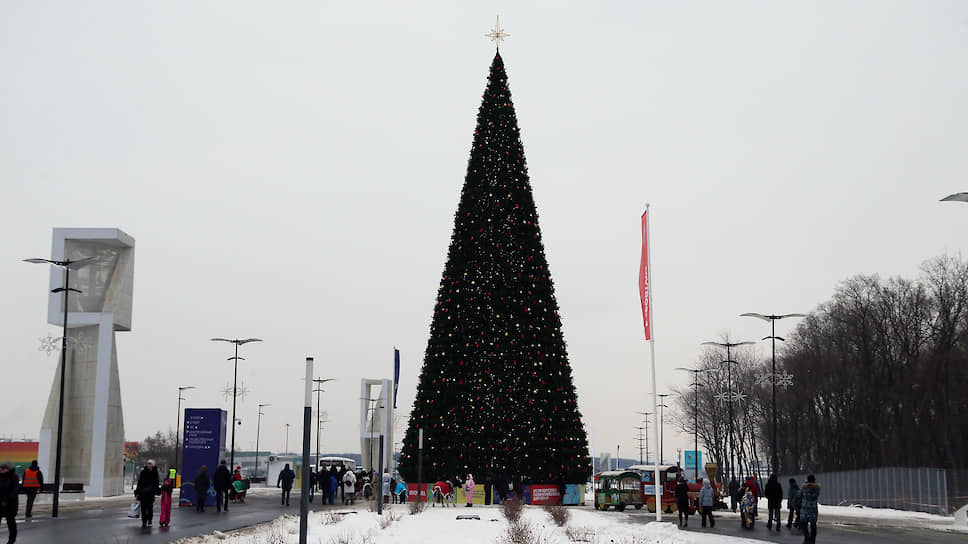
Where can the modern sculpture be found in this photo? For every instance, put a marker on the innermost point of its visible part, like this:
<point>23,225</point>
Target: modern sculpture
<point>93,433</point>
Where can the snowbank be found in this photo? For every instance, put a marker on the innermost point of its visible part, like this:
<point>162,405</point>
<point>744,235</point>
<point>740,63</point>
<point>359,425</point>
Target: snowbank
<point>363,527</point>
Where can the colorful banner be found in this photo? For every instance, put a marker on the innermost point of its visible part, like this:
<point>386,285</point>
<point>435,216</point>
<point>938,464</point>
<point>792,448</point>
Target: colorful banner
<point>644,278</point>
<point>204,444</point>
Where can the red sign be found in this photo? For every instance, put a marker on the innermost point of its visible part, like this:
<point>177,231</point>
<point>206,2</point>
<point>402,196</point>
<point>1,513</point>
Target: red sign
<point>644,278</point>
<point>542,494</point>
<point>412,491</point>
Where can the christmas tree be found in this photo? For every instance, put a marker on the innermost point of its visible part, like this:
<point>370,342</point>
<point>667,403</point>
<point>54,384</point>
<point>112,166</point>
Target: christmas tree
<point>495,394</point>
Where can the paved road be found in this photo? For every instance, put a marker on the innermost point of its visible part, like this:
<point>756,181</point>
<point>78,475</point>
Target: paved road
<point>841,531</point>
<point>107,521</point>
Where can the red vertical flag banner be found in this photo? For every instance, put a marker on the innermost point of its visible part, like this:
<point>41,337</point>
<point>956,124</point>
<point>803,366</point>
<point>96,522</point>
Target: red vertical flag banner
<point>644,278</point>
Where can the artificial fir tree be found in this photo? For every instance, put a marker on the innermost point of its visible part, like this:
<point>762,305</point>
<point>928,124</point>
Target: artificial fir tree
<point>495,394</point>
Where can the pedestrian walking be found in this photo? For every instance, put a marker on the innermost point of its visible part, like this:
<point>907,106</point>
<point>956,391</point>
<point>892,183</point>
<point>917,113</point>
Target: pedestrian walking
<point>349,486</point>
<point>167,488</point>
<point>313,479</point>
<point>9,502</point>
<point>146,490</point>
<point>238,487</point>
<point>706,500</point>
<point>400,492</point>
<point>286,477</point>
<point>734,494</point>
<point>810,499</point>
<point>332,480</point>
<point>469,489</point>
<point>202,483</point>
<point>222,482</point>
<point>793,491</point>
<point>682,502</point>
<point>32,484</point>
<point>774,498</point>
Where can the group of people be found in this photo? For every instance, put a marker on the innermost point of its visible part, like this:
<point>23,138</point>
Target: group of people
<point>10,488</point>
<point>224,484</point>
<point>329,482</point>
<point>802,503</point>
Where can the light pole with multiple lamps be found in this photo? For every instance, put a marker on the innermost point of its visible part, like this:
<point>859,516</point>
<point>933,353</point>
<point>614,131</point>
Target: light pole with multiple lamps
<point>773,337</point>
<point>178,424</point>
<point>645,422</point>
<point>235,383</point>
<point>695,418</point>
<point>67,265</point>
<point>729,393</point>
<point>258,426</point>
<point>319,389</point>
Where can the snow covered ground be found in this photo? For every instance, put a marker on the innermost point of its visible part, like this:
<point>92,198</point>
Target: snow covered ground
<point>360,526</point>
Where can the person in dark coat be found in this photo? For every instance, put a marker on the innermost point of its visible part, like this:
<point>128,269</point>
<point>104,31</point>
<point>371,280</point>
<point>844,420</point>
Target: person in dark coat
<point>149,485</point>
<point>9,502</point>
<point>682,502</point>
<point>488,482</point>
<point>332,481</point>
<point>809,501</point>
<point>286,477</point>
<point>222,482</point>
<point>793,496</point>
<point>774,498</point>
<point>32,484</point>
<point>202,483</point>
<point>734,494</point>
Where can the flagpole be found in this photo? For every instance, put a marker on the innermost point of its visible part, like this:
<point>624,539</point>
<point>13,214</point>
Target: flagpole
<point>655,397</point>
<point>649,321</point>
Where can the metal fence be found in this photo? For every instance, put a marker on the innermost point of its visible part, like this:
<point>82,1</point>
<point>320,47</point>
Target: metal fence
<point>913,489</point>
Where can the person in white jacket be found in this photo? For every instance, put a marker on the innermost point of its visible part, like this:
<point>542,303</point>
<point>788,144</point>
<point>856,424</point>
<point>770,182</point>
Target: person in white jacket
<point>706,499</point>
<point>349,487</point>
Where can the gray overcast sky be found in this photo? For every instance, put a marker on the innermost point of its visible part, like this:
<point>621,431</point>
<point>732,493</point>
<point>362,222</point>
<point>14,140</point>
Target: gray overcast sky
<point>291,172</point>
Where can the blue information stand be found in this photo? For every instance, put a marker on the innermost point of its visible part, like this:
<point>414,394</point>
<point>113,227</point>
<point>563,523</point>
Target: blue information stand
<point>204,444</point>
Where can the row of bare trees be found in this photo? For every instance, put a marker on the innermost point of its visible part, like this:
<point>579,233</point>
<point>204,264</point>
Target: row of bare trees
<point>880,378</point>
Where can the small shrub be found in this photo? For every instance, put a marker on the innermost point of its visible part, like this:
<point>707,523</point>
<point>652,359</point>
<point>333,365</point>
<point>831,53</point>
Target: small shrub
<point>580,534</point>
<point>558,513</point>
<point>519,532</point>
<point>389,518</point>
<point>416,507</point>
<point>512,510</point>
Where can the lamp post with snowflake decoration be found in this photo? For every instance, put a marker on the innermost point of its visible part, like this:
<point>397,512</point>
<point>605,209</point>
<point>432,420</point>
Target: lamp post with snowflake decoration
<point>773,376</point>
<point>695,417</point>
<point>729,394</point>
<point>67,265</point>
<point>235,382</point>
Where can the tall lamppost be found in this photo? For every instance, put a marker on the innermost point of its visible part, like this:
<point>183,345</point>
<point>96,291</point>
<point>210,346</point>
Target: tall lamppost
<point>235,383</point>
<point>695,417</point>
<point>258,425</point>
<point>729,388</point>
<point>178,423</point>
<point>287,438</point>
<point>319,389</point>
<point>661,406</point>
<point>67,265</point>
<point>773,338</point>
<point>645,422</point>
<point>640,438</point>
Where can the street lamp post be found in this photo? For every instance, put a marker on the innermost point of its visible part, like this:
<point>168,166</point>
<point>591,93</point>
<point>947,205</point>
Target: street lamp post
<point>287,438</point>
<point>258,425</point>
<point>773,338</point>
<point>645,422</point>
<point>695,417</point>
<point>662,405</point>
<point>67,265</point>
<point>729,393</point>
<point>235,383</point>
<point>640,439</point>
<point>178,423</point>
<point>319,389</point>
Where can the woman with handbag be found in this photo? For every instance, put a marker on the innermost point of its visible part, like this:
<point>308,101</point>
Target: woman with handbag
<point>148,487</point>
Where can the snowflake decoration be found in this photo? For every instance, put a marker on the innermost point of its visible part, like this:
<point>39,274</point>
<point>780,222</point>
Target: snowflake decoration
<point>240,391</point>
<point>763,379</point>
<point>49,344</point>
<point>784,380</point>
<point>52,344</point>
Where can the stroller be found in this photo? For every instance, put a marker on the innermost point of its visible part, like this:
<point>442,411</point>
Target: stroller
<point>747,510</point>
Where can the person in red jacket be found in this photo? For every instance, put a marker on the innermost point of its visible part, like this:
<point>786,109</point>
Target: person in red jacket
<point>33,482</point>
